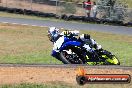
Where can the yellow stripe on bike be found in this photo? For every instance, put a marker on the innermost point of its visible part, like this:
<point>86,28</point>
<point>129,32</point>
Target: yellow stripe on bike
<point>91,63</point>
<point>87,57</point>
<point>113,60</point>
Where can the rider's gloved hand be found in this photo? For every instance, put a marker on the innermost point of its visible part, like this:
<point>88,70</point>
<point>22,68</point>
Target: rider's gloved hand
<point>75,32</point>
<point>98,47</point>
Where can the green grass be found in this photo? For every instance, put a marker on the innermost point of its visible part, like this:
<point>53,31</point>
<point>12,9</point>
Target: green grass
<point>27,44</point>
<point>129,2</point>
<point>27,85</point>
<point>62,85</point>
<point>5,14</point>
<point>24,44</point>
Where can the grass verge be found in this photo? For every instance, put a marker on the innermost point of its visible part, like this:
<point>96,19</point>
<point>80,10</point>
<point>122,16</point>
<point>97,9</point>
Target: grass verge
<point>12,15</point>
<point>29,85</point>
<point>28,44</point>
<point>62,85</point>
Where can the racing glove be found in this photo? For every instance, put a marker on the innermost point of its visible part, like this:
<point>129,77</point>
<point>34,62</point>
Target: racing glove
<point>97,47</point>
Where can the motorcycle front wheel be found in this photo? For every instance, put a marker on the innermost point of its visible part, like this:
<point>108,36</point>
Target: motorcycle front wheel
<point>71,55</point>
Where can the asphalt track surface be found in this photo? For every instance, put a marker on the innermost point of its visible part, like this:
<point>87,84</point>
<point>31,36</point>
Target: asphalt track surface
<point>71,25</point>
<point>68,25</point>
<point>68,66</point>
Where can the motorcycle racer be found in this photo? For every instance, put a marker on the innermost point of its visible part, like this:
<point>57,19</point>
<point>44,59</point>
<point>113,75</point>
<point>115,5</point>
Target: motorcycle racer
<point>58,38</point>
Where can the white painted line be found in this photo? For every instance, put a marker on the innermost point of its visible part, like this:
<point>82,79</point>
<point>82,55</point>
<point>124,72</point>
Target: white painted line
<point>23,24</point>
<point>5,22</point>
<point>14,23</point>
<point>34,25</point>
<point>43,26</point>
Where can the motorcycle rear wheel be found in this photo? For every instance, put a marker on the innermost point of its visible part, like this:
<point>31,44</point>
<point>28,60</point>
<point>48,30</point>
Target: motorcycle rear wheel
<point>113,61</point>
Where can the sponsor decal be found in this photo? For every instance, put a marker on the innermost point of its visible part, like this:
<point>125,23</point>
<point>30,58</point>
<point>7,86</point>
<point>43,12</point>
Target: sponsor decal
<point>83,78</point>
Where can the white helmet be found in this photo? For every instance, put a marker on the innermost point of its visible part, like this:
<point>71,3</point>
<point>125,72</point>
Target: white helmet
<point>53,33</point>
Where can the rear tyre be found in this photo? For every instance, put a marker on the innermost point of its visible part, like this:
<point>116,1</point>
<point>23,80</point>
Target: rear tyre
<point>113,61</point>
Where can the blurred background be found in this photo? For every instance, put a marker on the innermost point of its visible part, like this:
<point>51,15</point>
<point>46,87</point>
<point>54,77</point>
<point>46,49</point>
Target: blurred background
<point>107,9</point>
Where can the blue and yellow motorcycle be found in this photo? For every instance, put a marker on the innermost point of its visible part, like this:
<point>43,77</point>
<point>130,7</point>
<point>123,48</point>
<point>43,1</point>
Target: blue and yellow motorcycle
<point>70,51</point>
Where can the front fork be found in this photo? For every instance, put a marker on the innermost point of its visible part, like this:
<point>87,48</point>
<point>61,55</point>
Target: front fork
<point>55,54</point>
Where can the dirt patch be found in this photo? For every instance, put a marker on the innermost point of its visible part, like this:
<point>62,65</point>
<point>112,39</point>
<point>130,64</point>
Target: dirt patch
<point>16,75</point>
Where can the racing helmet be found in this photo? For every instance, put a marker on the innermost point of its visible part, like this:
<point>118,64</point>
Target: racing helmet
<point>53,33</point>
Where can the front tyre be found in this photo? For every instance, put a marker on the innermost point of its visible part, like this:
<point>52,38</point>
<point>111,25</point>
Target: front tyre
<point>71,55</point>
